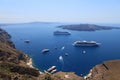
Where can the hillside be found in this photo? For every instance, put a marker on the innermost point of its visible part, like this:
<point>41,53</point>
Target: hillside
<point>86,27</point>
<point>108,70</point>
<point>13,62</point>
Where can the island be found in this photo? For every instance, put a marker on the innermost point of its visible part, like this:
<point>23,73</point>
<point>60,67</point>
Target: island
<point>86,27</point>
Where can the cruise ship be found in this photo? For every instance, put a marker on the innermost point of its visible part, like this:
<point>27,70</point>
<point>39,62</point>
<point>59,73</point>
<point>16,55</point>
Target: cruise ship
<point>85,43</point>
<point>61,33</point>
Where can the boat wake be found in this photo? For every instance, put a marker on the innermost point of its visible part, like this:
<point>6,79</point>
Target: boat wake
<point>62,48</point>
<point>61,61</point>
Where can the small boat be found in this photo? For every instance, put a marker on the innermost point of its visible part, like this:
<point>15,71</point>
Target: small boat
<point>84,51</point>
<point>60,58</point>
<point>66,54</point>
<point>63,48</point>
<point>45,50</point>
<point>55,48</point>
<point>51,69</point>
<point>27,41</point>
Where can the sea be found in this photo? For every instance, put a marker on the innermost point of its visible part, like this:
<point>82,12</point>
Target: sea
<point>79,59</point>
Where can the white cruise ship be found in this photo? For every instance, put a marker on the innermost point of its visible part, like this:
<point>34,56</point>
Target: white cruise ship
<point>85,43</point>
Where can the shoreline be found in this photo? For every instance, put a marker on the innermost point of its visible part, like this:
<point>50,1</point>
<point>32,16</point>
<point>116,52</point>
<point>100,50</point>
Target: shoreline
<point>30,64</point>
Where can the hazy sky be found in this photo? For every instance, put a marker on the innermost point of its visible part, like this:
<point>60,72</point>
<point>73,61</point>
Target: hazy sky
<point>87,11</point>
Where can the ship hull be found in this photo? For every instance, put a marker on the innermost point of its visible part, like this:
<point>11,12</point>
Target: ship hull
<point>85,45</point>
<point>61,33</point>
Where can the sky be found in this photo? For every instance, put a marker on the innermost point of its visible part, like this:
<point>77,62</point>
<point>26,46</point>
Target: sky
<point>79,11</point>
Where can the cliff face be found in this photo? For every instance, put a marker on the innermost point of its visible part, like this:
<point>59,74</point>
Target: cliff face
<point>8,52</point>
<point>5,38</point>
<point>13,63</point>
<point>109,70</point>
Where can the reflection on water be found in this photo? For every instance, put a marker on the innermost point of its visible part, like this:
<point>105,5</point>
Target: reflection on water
<point>61,61</point>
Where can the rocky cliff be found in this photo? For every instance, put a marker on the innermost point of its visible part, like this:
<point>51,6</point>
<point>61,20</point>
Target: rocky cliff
<point>13,63</point>
<point>108,70</point>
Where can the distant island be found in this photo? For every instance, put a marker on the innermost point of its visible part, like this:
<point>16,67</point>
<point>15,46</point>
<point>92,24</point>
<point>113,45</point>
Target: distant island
<point>86,27</point>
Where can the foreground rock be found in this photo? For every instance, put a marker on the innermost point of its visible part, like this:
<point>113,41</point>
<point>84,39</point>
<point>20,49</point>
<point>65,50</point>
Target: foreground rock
<point>5,38</point>
<point>109,70</point>
<point>13,63</point>
<point>61,76</point>
<point>86,27</point>
<point>68,76</point>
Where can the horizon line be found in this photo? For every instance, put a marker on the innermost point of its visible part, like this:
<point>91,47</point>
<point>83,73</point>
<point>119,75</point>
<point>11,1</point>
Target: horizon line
<point>57,22</point>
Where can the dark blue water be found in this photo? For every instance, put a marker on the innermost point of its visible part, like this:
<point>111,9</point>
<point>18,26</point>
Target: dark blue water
<point>41,36</point>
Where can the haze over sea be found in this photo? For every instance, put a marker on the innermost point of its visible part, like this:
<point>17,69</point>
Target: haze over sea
<point>41,36</point>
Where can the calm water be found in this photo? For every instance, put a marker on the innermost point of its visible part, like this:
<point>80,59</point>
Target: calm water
<point>41,36</point>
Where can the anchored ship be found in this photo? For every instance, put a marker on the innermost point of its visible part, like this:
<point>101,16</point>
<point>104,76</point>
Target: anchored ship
<point>86,43</point>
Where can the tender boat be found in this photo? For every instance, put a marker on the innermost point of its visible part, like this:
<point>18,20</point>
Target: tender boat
<point>66,54</point>
<point>27,41</point>
<point>84,51</point>
<point>45,50</point>
<point>51,70</point>
<point>63,48</point>
<point>85,43</point>
<point>61,33</point>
